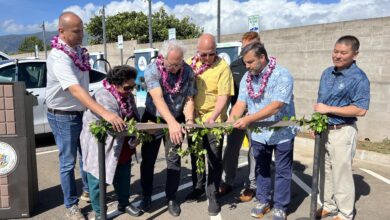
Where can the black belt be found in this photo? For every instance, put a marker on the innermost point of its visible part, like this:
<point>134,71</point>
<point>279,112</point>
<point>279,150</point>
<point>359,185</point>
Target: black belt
<point>335,127</point>
<point>60,112</point>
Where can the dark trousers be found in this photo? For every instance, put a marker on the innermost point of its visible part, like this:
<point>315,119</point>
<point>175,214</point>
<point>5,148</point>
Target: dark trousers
<point>283,172</point>
<point>214,162</point>
<point>149,152</point>
<point>121,186</point>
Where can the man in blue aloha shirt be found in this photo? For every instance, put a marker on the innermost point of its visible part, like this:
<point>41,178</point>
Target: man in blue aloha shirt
<point>171,86</point>
<point>267,90</point>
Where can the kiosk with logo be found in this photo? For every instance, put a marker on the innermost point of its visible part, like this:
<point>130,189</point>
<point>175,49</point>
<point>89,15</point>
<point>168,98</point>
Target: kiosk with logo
<point>229,51</point>
<point>18,166</point>
<point>142,58</point>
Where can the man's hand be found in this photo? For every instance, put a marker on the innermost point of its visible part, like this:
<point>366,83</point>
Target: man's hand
<point>209,121</point>
<point>241,123</point>
<point>321,108</point>
<point>117,123</point>
<point>175,132</point>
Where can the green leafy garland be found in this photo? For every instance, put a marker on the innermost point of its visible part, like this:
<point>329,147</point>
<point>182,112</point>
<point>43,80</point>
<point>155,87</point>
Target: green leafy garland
<point>100,128</point>
<point>196,148</point>
<point>317,123</point>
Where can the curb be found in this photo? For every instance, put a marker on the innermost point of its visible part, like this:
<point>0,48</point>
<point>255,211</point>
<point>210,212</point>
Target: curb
<point>383,159</point>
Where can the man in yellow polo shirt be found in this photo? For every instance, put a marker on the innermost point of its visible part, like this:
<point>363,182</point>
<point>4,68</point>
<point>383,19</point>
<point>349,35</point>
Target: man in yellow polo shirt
<point>214,82</point>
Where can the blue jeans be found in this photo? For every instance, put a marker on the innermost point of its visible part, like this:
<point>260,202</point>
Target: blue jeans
<point>66,130</point>
<point>283,172</point>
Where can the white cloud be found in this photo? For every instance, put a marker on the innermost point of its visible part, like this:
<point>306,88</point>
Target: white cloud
<point>234,14</point>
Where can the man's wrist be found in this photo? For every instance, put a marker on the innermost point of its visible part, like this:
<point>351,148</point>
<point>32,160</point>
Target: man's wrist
<point>189,120</point>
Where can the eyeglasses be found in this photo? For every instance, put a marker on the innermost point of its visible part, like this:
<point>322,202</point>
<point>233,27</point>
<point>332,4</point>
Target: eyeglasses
<point>127,88</point>
<point>207,54</point>
<point>176,66</point>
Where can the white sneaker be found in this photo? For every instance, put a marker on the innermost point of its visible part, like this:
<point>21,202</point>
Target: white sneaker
<point>74,213</point>
<point>85,197</point>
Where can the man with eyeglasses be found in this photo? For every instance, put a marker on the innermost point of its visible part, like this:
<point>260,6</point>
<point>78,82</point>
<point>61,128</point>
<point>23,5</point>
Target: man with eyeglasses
<point>171,86</point>
<point>214,82</point>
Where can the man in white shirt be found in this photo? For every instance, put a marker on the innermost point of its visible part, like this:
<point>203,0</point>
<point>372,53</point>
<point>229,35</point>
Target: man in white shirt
<point>66,98</point>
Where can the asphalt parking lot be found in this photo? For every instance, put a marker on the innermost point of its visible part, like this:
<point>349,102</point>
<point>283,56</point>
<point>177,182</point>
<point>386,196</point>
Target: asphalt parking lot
<point>371,181</point>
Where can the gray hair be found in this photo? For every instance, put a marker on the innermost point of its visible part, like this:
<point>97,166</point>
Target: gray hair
<point>171,45</point>
<point>257,47</point>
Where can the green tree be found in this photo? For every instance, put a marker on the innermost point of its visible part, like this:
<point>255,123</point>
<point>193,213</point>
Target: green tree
<point>28,44</point>
<point>134,26</point>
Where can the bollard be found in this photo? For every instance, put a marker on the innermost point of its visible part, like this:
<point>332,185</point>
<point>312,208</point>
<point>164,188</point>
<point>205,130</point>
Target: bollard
<point>102,180</point>
<point>314,185</point>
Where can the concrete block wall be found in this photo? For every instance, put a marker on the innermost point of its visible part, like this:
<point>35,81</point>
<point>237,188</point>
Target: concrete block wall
<point>306,52</point>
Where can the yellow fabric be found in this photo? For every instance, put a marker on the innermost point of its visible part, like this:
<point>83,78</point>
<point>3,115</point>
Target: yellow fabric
<point>215,81</point>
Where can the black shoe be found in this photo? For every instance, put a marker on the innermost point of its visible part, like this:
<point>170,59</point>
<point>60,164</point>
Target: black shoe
<point>214,207</point>
<point>145,204</point>
<point>174,208</point>
<point>133,211</point>
<point>195,195</point>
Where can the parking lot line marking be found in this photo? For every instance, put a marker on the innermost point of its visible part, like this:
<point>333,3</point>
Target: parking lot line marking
<point>384,179</point>
<point>46,152</point>
<point>301,184</point>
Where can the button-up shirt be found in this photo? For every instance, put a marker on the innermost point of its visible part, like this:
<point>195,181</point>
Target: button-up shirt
<point>279,88</point>
<point>347,87</point>
<point>176,101</point>
<point>61,74</point>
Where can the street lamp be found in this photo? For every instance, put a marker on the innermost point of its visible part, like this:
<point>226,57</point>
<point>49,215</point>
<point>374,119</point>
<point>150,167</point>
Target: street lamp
<point>150,24</point>
<point>102,11</point>
<point>44,38</point>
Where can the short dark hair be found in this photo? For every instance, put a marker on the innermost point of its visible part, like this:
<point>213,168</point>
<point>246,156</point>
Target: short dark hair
<point>249,36</point>
<point>257,47</point>
<point>349,40</point>
<point>120,74</point>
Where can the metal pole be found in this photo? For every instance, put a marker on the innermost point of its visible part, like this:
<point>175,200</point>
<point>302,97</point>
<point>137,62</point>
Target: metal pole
<point>44,39</point>
<point>104,32</point>
<point>102,180</point>
<point>150,24</point>
<point>314,185</point>
<point>219,22</point>
<point>121,56</point>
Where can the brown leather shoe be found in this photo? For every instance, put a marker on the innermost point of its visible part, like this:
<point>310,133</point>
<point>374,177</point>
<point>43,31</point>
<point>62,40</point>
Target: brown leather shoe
<point>323,213</point>
<point>247,195</point>
<point>225,189</point>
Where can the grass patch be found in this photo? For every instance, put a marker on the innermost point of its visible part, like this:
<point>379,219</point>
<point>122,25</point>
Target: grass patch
<point>382,147</point>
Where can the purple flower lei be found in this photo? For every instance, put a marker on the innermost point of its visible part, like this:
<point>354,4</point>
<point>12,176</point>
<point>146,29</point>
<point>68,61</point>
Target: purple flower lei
<point>201,69</point>
<point>82,63</point>
<point>164,76</point>
<point>264,79</point>
<point>125,106</point>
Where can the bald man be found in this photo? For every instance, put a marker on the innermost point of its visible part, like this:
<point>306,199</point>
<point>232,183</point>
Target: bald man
<point>215,85</point>
<point>66,98</point>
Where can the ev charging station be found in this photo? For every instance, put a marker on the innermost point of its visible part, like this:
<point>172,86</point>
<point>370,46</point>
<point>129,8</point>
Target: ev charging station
<point>229,51</point>
<point>142,58</point>
<point>98,65</point>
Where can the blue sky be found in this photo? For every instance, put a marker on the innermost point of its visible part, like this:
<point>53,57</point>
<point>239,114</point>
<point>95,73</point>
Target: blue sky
<point>24,16</point>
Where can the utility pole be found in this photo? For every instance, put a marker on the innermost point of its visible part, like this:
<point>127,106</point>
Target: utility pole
<point>44,38</point>
<point>219,22</point>
<point>150,24</point>
<point>104,32</point>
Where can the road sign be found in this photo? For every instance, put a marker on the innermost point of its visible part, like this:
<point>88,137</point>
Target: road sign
<point>254,23</point>
<point>172,34</point>
<point>120,41</point>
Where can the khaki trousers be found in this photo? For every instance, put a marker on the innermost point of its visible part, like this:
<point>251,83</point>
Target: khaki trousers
<point>337,188</point>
